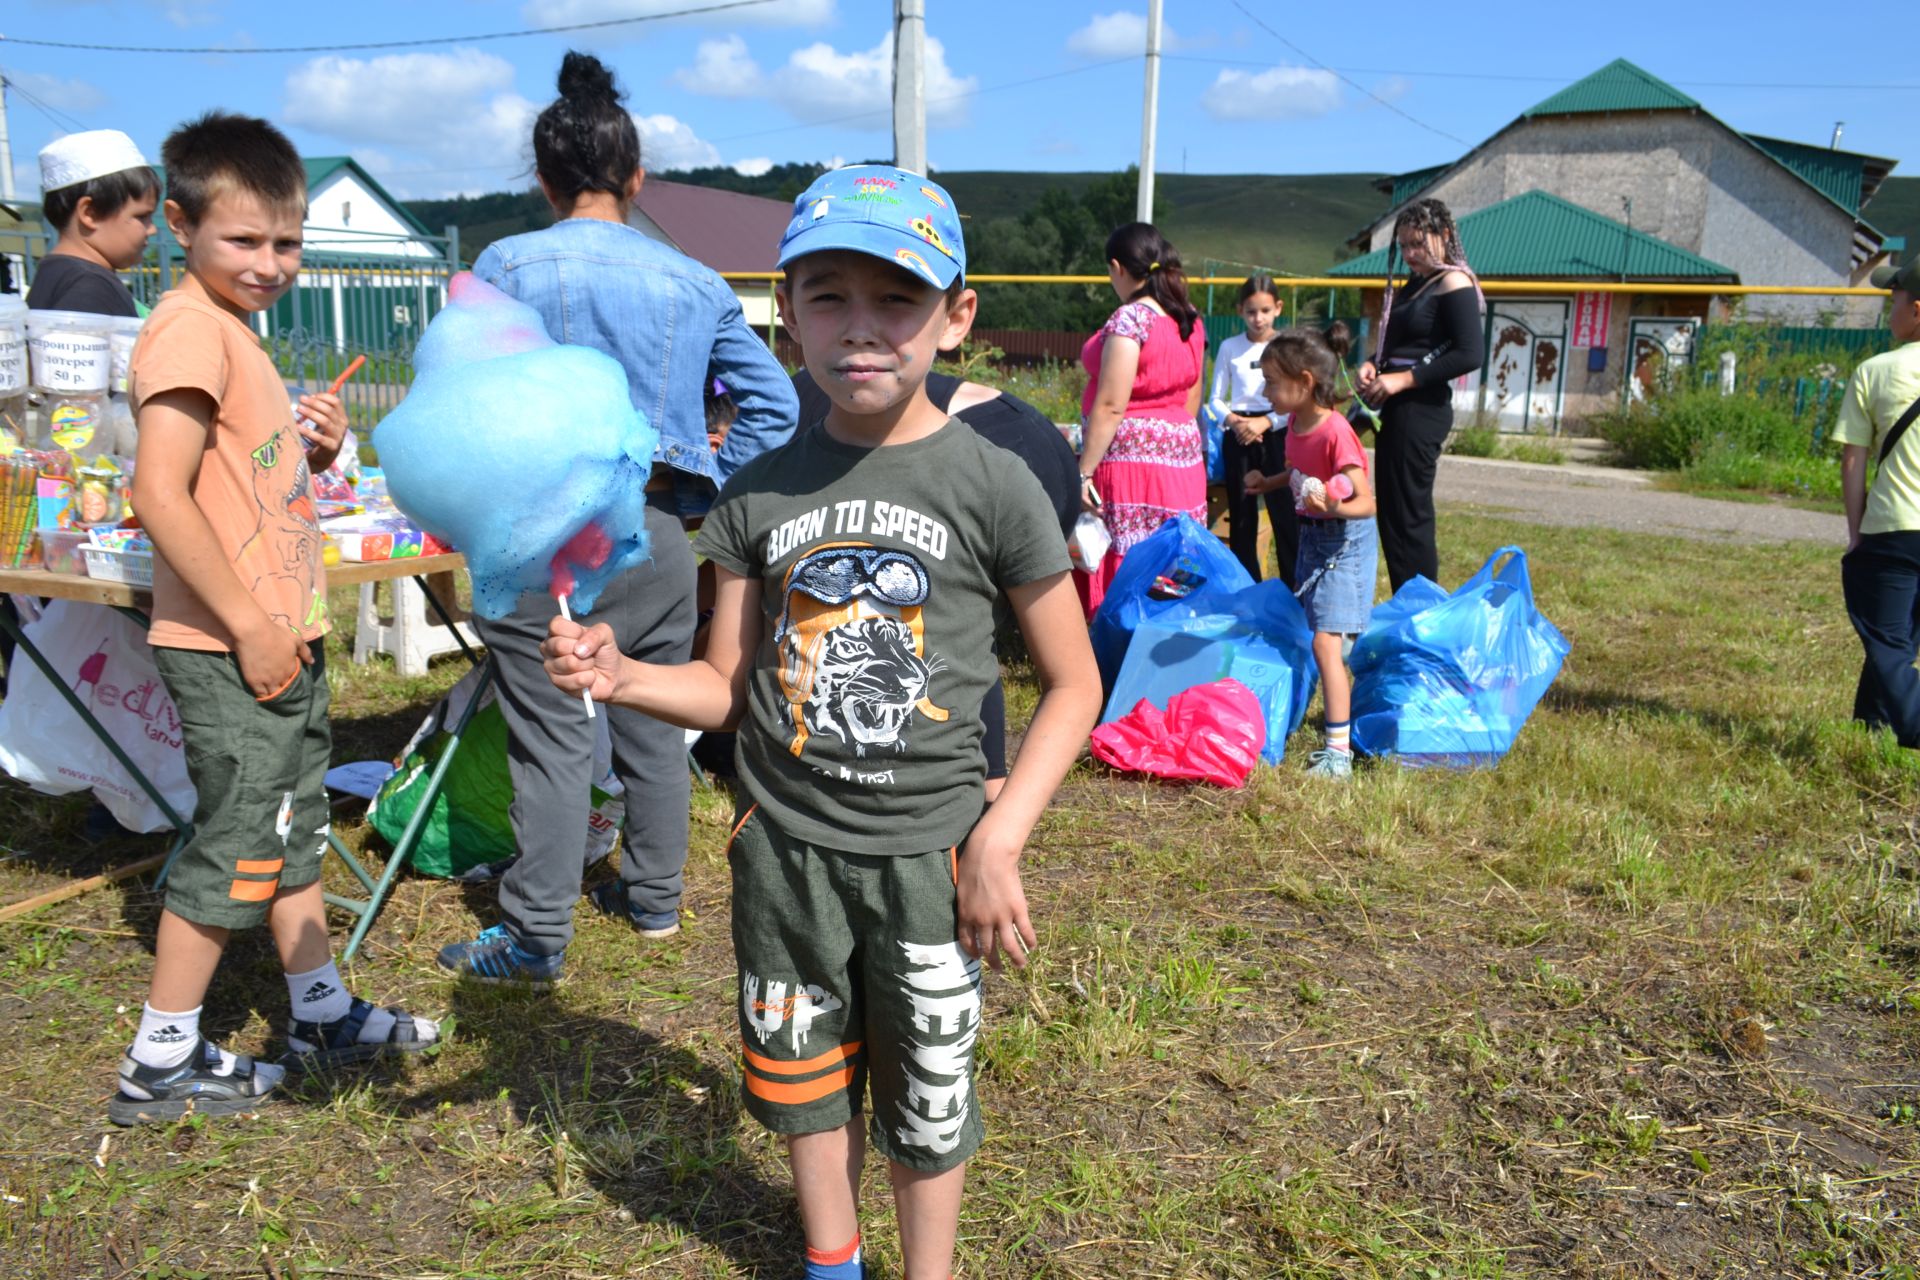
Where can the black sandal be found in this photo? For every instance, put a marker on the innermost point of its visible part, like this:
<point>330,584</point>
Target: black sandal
<point>317,1046</point>
<point>149,1095</point>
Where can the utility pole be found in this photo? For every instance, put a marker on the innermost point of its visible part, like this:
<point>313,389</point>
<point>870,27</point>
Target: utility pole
<point>1150,114</point>
<point>910,84</point>
<point>6,145</point>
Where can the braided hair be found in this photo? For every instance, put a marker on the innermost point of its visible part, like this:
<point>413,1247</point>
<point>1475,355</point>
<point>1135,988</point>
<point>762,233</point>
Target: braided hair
<point>585,140</point>
<point>1428,217</point>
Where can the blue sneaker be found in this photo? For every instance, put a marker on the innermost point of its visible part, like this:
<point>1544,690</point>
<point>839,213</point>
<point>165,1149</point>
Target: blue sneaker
<point>1327,763</point>
<point>495,957</point>
<point>610,899</point>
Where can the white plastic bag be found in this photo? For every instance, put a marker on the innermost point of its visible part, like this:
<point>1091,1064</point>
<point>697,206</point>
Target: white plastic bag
<point>1087,544</point>
<point>104,659</point>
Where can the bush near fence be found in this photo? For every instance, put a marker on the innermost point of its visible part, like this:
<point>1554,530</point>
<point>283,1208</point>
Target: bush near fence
<point>1771,432</point>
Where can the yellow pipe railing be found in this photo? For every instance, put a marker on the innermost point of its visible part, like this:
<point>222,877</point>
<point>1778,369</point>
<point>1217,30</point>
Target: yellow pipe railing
<point>1490,286</point>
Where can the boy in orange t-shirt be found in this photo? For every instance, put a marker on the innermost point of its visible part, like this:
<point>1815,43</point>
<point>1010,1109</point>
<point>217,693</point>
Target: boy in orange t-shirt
<point>224,489</point>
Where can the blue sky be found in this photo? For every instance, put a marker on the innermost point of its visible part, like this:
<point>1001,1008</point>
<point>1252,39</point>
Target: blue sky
<point>1014,84</point>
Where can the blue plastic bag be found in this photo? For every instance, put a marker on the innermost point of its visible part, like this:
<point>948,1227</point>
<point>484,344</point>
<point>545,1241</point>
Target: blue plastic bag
<point>1213,438</point>
<point>1257,636</point>
<point>1448,680</point>
<point>1178,562</point>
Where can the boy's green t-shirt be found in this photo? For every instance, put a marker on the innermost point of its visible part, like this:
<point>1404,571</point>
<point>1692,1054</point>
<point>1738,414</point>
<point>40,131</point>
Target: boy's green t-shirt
<point>879,569</point>
<point>1880,390</point>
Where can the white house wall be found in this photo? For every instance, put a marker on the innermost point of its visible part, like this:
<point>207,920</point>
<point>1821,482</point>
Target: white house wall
<point>345,216</point>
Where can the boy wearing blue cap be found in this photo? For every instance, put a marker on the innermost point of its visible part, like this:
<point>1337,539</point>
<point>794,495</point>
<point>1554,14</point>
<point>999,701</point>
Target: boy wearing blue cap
<point>852,640</point>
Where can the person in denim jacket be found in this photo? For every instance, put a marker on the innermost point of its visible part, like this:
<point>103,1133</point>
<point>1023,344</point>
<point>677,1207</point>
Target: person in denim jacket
<point>674,325</point>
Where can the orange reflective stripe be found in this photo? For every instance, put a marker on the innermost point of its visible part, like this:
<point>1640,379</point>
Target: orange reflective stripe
<point>804,1091</point>
<point>805,1066</point>
<point>253,890</point>
<point>734,834</point>
<point>953,857</point>
<point>260,867</point>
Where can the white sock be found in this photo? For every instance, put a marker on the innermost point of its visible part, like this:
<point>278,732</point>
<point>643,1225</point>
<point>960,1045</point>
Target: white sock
<point>319,996</point>
<point>165,1039</point>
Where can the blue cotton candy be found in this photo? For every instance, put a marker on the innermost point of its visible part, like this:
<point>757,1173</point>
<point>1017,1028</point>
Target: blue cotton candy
<point>526,455</point>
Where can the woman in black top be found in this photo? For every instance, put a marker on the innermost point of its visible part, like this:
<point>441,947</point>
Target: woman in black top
<point>1430,334</point>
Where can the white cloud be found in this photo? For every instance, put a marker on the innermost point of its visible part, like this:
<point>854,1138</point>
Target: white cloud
<point>819,83</point>
<point>1278,93</point>
<point>722,69</point>
<point>453,119</point>
<point>752,166</point>
<point>71,96</point>
<point>396,98</point>
<point>449,122</point>
<point>668,143</point>
<point>775,13</point>
<point>1117,35</point>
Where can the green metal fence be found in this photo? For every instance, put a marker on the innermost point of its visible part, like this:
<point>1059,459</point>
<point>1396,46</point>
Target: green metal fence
<point>375,301</point>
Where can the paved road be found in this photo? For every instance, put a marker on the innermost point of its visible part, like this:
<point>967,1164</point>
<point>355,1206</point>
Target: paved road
<point>1585,496</point>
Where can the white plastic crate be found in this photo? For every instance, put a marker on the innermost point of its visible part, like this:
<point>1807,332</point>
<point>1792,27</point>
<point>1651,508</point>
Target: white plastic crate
<point>110,564</point>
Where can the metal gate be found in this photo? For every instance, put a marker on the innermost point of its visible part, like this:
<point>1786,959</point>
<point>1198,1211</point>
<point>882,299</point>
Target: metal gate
<point>1658,348</point>
<point>375,303</point>
<point>1520,387</point>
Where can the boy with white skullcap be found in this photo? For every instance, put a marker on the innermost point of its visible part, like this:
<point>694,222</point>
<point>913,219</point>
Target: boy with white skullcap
<point>99,193</point>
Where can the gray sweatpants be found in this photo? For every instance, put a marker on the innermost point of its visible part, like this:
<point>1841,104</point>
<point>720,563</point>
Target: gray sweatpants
<point>550,747</point>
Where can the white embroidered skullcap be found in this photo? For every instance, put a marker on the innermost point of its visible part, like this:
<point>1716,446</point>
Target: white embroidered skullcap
<point>80,157</point>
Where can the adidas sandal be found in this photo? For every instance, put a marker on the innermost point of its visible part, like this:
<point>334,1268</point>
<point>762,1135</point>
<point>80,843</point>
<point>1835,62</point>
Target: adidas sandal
<point>316,1046</point>
<point>198,1086</point>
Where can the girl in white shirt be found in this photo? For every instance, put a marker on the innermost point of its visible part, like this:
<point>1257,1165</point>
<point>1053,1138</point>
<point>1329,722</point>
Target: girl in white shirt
<point>1251,444</point>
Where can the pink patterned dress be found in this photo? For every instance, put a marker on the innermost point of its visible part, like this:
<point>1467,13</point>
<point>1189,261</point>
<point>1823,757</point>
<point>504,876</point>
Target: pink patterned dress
<point>1155,466</point>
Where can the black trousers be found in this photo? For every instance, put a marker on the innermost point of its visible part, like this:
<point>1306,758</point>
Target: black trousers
<point>1406,457</point>
<point>1267,455</point>
<point>1880,580</point>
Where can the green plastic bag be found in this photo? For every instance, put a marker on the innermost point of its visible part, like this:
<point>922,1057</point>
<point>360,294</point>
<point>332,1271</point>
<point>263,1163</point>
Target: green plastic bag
<point>468,825</point>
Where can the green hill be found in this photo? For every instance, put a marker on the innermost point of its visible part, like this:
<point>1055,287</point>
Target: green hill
<point>1297,223</point>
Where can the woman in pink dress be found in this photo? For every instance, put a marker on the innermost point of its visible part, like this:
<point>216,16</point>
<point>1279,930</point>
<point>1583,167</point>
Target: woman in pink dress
<point>1141,458</point>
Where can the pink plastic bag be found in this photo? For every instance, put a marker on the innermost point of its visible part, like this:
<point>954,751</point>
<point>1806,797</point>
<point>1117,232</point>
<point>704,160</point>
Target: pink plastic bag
<point>1210,733</point>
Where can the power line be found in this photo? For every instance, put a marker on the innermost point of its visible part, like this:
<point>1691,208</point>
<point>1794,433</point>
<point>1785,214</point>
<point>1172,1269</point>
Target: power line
<point>1355,84</point>
<point>1568,79</point>
<point>390,44</point>
<point>61,120</point>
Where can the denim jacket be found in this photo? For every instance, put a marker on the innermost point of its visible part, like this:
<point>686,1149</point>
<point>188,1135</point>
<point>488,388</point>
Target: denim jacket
<point>673,325</point>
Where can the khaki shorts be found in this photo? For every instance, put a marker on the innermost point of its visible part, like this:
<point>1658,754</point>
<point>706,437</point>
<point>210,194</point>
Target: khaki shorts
<point>260,821</point>
<point>852,981</point>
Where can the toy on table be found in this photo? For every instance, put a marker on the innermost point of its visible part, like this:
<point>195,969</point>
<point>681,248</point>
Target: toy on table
<point>525,454</point>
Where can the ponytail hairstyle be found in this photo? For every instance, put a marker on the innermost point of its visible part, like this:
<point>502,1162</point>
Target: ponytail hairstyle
<point>585,140</point>
<point>1296,352</point>
<point>1430,217</point>
<point>1260,282</point>
<point>1146,256</point>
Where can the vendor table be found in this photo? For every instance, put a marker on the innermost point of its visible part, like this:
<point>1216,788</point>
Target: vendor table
<point>435,577</point>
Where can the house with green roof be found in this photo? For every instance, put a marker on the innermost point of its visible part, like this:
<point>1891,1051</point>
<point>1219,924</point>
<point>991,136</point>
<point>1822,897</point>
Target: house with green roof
<point>1621,177</point>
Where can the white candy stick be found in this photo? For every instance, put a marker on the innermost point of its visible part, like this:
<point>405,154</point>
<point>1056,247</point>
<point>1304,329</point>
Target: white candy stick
<point>586,696</point>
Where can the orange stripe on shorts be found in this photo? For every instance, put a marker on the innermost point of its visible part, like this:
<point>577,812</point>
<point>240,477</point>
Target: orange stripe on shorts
<point>260,867</point>
<point>734,834</point>
<point>805,1091</point>
<point>253,890</point>
<point>805,1066</point>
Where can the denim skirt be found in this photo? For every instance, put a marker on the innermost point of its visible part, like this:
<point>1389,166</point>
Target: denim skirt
<point>1336,567</point>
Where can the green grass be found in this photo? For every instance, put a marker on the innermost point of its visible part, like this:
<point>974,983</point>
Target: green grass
<point>1643,1000</point>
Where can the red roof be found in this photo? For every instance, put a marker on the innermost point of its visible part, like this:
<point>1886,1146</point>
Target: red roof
<point>724,230</point>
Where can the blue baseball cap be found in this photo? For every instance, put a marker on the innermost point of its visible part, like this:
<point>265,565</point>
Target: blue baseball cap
<point>904,217</point>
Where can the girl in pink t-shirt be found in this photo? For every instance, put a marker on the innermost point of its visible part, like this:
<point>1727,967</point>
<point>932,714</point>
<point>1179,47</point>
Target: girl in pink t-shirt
<point>1333,497</point>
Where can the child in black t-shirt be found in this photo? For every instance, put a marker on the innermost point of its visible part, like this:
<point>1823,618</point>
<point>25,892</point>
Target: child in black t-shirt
<point>99,192</point>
